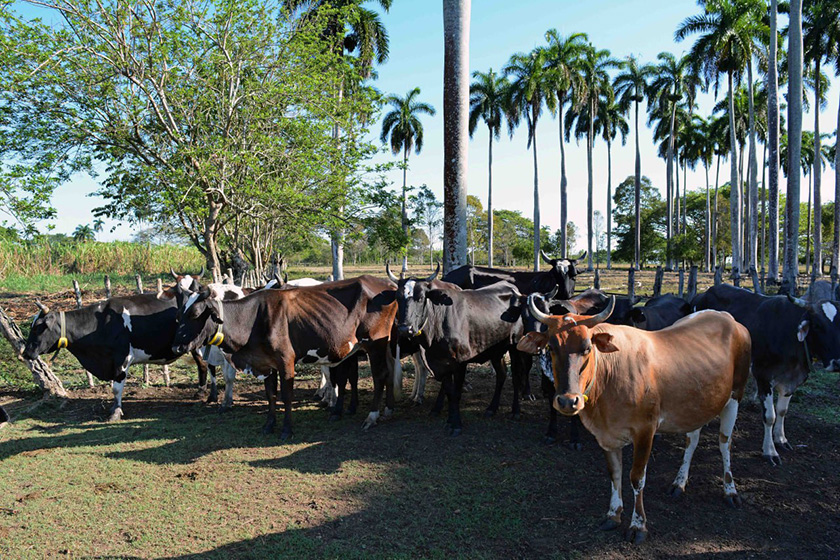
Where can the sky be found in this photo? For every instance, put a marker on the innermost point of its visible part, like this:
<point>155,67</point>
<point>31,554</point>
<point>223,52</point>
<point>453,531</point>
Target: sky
<point>500,28</point>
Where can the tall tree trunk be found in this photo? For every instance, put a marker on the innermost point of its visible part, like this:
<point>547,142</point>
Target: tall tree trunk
<point>745,214</point>
<point>456,94</point>
<point>791,264</point>
<point>735,196</point>
<point>609,204</point>
<point>404,213</point>
<point>773,146</point>
<point>490,200</point>
<point>589,203</point>
<point>677,200</point>
<point>808,230</point>
<point>41,372</point>
<point>337,237</point>
<point>816,173</point>
<point>669,188</point>
<point>564,212</point>
<point>835,258</point>
<point>763,248</point>
<point>715,216</point>
<point>708,232</point>
<point>685,197</point>
<point>753,175</point>
<point>637,185</point>
<point>536,197</point>
<point>211,222</point>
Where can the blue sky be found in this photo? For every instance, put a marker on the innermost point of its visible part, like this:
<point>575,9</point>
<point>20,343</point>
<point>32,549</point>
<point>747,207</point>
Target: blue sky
<point>498,29</point>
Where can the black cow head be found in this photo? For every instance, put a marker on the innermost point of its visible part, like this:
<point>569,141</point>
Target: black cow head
<point>44,334</point>
<point>413,294</point>
<point>197,320</point>
<point>564,272</point>
<point>820,326</point>
<point>186,280</point>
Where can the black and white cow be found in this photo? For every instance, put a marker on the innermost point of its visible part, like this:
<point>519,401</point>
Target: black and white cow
<point>660,312</point>
<point>787,332</point>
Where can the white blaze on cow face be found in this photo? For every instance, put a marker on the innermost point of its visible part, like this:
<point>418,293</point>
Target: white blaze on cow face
<point>270,284</point>
<point>408,289</point>
<point>829,310</point>
<point>564,266</point>
<point>186,282</point>
<point>126,316</point>
<point>191,300</point>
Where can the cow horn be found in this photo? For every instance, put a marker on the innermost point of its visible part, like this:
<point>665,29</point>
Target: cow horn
<point>279,280</point>
<point>433,276</point>
<point>545,257</point>
<point>550,295</point>
<point>285,277</point>
<point>44,309</point>
<point>580,258</point>
<point>172,272</point>
<point>391,276</point>
<point>600,317</point>
<point>200,274</point>
<point>799,302</point>
<point>536,313</point>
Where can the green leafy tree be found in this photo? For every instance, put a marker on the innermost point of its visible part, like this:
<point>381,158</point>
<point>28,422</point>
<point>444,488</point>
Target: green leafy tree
<point>653,221</point>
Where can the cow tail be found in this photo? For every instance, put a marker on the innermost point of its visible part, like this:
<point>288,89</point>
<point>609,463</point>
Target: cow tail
<point>398,373</point>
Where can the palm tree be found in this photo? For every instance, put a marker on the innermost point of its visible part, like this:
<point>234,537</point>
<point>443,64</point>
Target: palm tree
<point>526,96</point>
<point>820,38</point>
<point>456,95</point>
<point>487,102</point>
<point>728,29</point>
<point>402,129</point>
<point>83,233</point>
<point>610,122</point>
<point>563,77</point>
<point>794,98</point>
<point>630,86</point>
<point>773,143</point>
<point>595,83</point>
<point>672,82</point>
<point>361,33</point>
<point>719,138</point>
<point>699,147</point>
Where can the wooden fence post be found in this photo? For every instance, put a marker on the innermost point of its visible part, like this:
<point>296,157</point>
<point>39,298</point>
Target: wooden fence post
<point>657,282</point>
<point>159,287</point>
<point>681,289</point>
<point>78,293</point>
<point>597,279</point>
<point>107,287</point>
<point>139,282</point>
<point>692,284</point>
<point>834,281</point>
<point>631,283</point>
<point>736,278</point>
<point>139,285</point>
<point>230,275</point>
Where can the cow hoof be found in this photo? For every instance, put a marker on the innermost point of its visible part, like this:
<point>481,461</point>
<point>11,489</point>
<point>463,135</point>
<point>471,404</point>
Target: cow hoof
<point>636,536</point>
<point>286,435</point>
<point>573,445</point>
<point>489,413</point>
<point>774,460</point>
<point>116,415</point>
<point>676,492</point>
<point>529,397</point>
<point>733,501</point>
<point>549,440</point>
<point>609,524</point>
<point>784,446</point>
<point>368,424</point>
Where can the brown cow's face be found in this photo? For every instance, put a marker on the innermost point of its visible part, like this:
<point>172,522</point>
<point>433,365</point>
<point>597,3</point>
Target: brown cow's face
<point>573,349</point>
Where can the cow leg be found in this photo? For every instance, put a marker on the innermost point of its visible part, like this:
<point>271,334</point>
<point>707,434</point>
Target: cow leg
<point>330,394</point>
<point>527,361</point>
<point>214,392</point>
<point>574,432</point>
<point>501,374</point>
<point>457,388</point>
<point>202,372</point>
<point>322,388</point>
<point>613,520</point>
<point>229,373</point>
<point>117,387</point>
<point>768,448</point>
<point>779,438</point>
<point>287,384</point>
<point>338,378</point>
<point>353,377</point>
<point>551,433</point>
<point>379,373</point>
<point>637,532</point>
<point>691,441</point>
<point>395,370</point>
<point>727,424</point>
<point>271,394</point>
<point>519,371</point>
<point>420,376</point>
<point>438,406</point>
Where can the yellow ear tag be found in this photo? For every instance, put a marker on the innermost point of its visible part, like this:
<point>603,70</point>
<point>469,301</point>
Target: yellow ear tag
<point>217,339</point>
<point>62,342</point>
<point>585,398</point>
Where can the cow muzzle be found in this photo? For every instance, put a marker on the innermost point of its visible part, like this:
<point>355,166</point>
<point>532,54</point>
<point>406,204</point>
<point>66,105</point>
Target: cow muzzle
<point>569,404</point>
<point>406,331</point>
<point>833,365</point>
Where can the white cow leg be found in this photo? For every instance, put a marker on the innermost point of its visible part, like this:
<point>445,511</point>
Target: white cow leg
<point>117,388</point>
<point>691,441</point>
<point>613,520</point>
<point>768,449</point>
<point>779,438</point>
<point>727,424</point>
<point>420,376</point>
<point>325,381</point>
<point>230,377</point>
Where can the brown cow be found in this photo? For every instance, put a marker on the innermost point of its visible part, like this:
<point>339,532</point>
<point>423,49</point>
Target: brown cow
<point>627,384</point>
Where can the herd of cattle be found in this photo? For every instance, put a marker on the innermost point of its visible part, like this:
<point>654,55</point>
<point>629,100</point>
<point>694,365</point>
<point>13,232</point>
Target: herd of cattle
<point>625,370</point>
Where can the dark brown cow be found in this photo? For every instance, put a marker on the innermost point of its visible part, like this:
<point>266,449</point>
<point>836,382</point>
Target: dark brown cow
<point>268,332</point>
<point>627,384</point>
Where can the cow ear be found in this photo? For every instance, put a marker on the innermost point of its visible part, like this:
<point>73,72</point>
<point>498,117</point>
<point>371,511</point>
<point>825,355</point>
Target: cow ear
<point>533,342</point>
<point>439,297</point>
<point>637,315</point>
<point>802,330</point>
<point>603,342</point>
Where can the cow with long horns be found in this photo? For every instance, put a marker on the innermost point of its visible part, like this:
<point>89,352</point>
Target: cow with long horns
<point>787,333</point>
<point>627,384</point>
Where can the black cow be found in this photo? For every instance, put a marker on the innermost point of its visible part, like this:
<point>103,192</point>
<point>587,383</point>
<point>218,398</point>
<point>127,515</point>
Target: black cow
<point>562,274</point>
<point>107,337</point>
<point>786,332</point>
<point>821,291</point>
<point>660,312</point>
<point>457,327</point>
<point>4,416</point>
<point>269,331</point>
